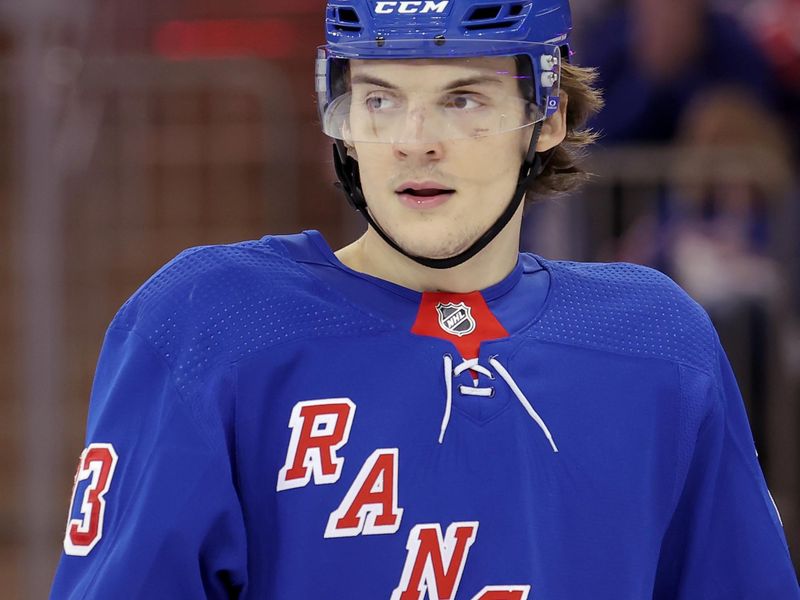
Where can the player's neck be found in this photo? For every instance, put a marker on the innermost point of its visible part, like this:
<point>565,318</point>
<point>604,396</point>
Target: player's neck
<point>371,255</point>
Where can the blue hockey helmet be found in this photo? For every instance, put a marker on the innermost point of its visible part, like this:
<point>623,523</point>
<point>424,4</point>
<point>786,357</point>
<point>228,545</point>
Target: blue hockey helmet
<point>542,21</point>
<point>457,29</point>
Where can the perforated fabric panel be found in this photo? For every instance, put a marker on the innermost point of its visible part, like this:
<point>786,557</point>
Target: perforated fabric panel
<point>637,311</point>
<point>629,309</point>
<point>214,305</point>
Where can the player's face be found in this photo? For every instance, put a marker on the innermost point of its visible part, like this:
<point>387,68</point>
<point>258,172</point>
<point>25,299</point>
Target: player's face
<point>432,180</point>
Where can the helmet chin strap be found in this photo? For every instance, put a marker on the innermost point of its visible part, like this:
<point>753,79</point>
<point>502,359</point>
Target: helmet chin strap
<point>350,182</point>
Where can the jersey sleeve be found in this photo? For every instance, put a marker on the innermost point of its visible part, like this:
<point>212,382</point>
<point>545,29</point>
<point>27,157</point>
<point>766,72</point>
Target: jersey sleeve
<point>154,512</point>
<point>725,539</point>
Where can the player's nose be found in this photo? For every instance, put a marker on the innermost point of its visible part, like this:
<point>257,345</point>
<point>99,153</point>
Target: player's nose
<point>418,138</point>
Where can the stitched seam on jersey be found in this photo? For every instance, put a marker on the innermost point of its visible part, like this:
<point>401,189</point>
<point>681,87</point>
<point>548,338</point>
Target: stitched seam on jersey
<point>333,267</point>
<point>396,289</point>
<point>234,374</point>
<point>237,479</point>
<point>181,256</point>
<point>304,338</point>
<point>678,482</point>
<point>321,284</point>
<point>671,361</point>
<point>756,480</point>
<point>555,285</point>
<point>171,378</point>
<point>679,485</point>
<point>545,307</point>
<point>135,485</point>
<point>747,458</point>
<point>705,423</point>
<point>500,411</point>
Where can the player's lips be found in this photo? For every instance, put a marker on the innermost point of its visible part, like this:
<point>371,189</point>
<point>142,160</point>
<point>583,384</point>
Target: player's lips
<point>423,194</point>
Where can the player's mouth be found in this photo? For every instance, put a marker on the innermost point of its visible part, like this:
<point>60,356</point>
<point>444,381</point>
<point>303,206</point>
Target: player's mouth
<point>424,194</point>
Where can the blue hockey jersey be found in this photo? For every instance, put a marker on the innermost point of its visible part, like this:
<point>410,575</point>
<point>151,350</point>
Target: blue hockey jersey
<point>268,423</point>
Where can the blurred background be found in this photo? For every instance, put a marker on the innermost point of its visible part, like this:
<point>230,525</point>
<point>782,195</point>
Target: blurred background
<point>132,130</point>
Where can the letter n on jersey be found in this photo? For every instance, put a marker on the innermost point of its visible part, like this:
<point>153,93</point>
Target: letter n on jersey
<point>319,429</point>
<point>434,564</point>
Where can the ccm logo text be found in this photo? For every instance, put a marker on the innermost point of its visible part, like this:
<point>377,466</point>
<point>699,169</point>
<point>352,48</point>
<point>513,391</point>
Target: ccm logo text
<point>411,8</point>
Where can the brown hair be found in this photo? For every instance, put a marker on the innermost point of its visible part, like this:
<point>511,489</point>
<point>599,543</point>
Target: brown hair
<point>562,172</point>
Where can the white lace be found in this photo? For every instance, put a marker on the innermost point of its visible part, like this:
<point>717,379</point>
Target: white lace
<point>472,364</point>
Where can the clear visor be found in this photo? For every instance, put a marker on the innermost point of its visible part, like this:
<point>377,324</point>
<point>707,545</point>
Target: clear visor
<point>424,100</point>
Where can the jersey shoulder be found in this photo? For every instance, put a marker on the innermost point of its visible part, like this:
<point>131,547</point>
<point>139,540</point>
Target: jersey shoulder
<point>204,278</point>
<point>628,309</point>
<point>217,304</point>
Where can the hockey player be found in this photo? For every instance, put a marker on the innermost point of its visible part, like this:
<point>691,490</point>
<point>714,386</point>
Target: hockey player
<point>426,413</point>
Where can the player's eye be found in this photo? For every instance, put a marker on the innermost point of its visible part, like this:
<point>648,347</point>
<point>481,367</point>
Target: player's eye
<point>379,103</point>
<point>463,101</point>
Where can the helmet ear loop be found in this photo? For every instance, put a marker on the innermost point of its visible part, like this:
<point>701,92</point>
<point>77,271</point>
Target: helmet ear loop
<point>348,175</point>
<point>535,162</point>
<point>533,165</point>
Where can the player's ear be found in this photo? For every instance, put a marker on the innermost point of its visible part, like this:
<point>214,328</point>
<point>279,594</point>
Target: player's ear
<point>554,128</point>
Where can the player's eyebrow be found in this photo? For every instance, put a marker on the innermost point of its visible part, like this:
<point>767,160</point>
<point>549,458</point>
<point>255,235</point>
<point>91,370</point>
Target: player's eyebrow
<point>455,84</point>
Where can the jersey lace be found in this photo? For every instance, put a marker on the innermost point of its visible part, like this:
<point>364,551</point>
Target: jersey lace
<point>450,372</point>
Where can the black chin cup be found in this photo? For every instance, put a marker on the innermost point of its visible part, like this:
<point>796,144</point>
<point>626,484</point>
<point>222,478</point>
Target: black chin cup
<point>350,183</point>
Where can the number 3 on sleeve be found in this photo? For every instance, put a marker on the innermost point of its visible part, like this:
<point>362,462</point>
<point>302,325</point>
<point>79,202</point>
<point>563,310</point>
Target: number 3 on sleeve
<point>92,481</point>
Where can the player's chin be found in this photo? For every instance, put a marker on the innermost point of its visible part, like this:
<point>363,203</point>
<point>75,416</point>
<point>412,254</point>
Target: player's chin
<point>433,242</point>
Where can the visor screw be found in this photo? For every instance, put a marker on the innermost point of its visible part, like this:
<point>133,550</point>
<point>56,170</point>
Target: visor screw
<point>439,40</point>
<point>380,41</point>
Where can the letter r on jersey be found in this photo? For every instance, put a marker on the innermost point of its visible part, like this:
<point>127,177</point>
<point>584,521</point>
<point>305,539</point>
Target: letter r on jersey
<point>434,564</point>
<point>319,429</point>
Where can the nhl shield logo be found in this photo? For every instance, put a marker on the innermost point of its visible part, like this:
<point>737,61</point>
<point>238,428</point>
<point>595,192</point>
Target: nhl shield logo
<point>456,319</point>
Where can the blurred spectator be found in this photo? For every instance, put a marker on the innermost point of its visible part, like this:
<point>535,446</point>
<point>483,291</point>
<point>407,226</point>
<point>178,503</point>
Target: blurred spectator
<point>776,26</point>
<point>654,56</point>
<point>713,231</point>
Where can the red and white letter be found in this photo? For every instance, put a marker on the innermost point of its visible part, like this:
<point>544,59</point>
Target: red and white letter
<point>504,592</point>
<point>319,429</point>
<point>97,462</point>
<point>370,506</point>
<point>433,564</point>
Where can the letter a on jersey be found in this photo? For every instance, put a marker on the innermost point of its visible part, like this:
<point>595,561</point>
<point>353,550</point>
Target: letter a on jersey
<point>370,506</point>
<point>319,429</point>
<point>434,564</point>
